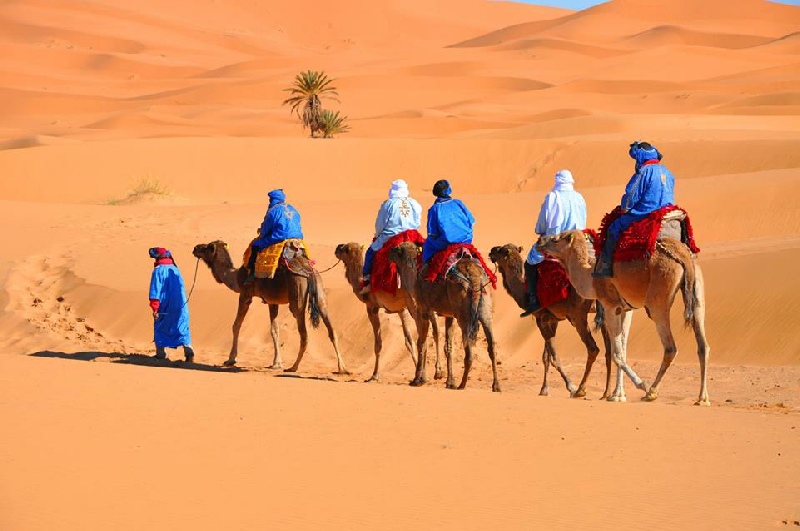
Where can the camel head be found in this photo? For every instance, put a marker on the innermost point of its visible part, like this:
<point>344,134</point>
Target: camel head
<point>350,253</point>
<point>405,257</point>
<point>559,245</point>
<point>216,251</point>
<point>508,258</point>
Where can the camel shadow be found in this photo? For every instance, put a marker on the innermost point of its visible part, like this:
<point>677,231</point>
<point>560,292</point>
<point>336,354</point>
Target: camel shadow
<point>134,359</point>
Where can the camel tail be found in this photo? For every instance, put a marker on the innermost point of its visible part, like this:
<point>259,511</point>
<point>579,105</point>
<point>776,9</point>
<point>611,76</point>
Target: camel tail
<point>688,289</point>
<point>475,302</point>
<point>599,316</point>
<point>313,299</point>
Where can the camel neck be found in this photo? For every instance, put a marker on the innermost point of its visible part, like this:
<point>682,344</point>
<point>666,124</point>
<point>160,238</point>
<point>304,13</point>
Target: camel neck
<point>225,275</point>
<point>514,283</point>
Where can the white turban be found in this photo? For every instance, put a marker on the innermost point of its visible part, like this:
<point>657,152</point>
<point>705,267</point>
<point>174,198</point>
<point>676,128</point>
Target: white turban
<point>399,189</point>
<point>564,181</point>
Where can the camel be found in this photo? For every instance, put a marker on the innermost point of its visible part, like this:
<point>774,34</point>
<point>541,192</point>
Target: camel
<point>463,298</point>
<point>575,309</point>
<point>297,285</point>
<point>402,303</point>
<point>653,284</point>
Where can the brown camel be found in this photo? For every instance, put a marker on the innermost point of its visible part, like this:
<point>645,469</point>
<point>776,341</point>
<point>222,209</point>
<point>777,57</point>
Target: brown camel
<point>462,296</point>
<point>652,284</point>
<point>575,309</point>
<point>297,285</point>
<point>402,303</point>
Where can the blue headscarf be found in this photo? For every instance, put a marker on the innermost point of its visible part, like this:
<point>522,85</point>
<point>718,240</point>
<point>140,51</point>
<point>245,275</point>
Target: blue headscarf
<point>276,196</point>
<point>640,153</point>
<point>441,189</point>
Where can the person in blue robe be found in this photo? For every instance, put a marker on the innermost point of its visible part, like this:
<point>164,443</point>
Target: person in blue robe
<point>449,221</point>
<point>281,222</point>
<point>563,209</point>
<point>650,188</point>
<point>168,302</point>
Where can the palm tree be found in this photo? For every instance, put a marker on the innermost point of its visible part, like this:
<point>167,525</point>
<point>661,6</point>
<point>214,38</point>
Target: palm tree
<point>331,123</point>
<point>306,90</point>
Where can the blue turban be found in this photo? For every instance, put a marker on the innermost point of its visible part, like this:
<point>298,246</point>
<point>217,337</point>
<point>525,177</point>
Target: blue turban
<point>641,152</point>
<point>276,196</point>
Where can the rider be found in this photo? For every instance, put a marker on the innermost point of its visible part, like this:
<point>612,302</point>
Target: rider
<point>168,302</point>
<point>397,214</point>
<point>449,221</point>
<point>563,209</point>
<point>281,222</point>
<point>650,188</point>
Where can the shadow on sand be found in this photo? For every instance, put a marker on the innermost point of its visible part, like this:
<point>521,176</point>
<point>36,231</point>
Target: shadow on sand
<point>134,359</point>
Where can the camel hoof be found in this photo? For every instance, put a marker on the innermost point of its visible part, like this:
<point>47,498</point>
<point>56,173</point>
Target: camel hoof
<point>496,387</point>
<point>462,387</point>
<point>544,392</point>
<point>651,396</point>
<point>343,372</point>
<point>229,363</point>
<point>417,382</point>
<point>450,385</point>
<point>373,378</point>
<point>616,399</point>
<point>580,393</point>
<point>438,375</point>
<point>275,366</point>
<point>290,369</point>
<point>705,402</point>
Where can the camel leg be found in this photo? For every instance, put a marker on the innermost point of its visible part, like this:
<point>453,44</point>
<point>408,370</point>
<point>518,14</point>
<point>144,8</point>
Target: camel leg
<point>340,368</point>
<point>619,330</point>
<point>448,351</point>
<point>244,305</point>
<point>609,372</point>
<point>555,362</point>
<point>487,329</point>
<point>462,323</point>
<point>582,326</point>
<point>545,391</point>
<point>277,362</point>
<point>661,318</point>
<point>406,320</point>
<point>423,322</point>
<point>439,374</point>
<point>703,350</point>
<point>300,316</point>
<point>374,320</point>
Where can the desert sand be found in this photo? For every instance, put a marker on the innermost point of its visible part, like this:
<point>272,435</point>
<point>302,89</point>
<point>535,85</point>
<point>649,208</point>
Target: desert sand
<point>106,99</point>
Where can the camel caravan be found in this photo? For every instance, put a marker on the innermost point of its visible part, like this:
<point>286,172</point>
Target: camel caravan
<point>643,256</point>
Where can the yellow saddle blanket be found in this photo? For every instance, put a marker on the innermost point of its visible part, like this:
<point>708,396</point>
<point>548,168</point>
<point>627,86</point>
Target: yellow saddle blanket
<point>269,258</point>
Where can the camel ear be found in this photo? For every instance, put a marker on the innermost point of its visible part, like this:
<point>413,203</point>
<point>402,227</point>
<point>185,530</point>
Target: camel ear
<point>225,245</point>
<point>519,249</point>
<point>363,246</point>
<point>570,237</point>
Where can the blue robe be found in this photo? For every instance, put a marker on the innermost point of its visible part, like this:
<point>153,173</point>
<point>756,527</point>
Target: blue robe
<point>650,188</point>
<point>449,222</point>
<point>171,329</point>
<point>281,222</point>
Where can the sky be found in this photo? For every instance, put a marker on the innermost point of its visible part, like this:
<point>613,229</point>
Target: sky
<point>583,4</point>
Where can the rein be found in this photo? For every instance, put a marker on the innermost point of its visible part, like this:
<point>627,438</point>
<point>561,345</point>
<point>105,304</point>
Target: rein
<point>331,267</point>
<point>194,281</point>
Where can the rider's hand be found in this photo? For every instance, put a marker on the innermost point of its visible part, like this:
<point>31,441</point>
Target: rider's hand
<point>155,315</point>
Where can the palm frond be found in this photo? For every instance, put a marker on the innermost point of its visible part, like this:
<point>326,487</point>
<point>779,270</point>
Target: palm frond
<point>332,123</point>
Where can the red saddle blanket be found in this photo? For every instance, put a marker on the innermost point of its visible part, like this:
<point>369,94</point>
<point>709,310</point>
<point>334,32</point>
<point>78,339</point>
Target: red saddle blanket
<point>442,261</point>
<point>553,285</point>
<point>384,272</point>
<point>638,242</point>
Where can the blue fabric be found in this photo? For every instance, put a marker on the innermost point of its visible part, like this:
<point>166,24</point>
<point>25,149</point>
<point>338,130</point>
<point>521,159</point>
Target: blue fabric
<point>281,222</point>
<point>395,216</point>
<point>650,188</point>
<point>275,197</point>
<point>641,155</point>
<point>369,257</point>
<point>171,329</point>
<point>449,222</point>
<point>572,208</point>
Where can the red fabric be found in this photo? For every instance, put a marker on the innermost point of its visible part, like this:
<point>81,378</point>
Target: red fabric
<point>638,242</point>
<point>440,263</point>
<point>155,304</point>
<point>163,261</point>
<point>553,285</point>
<point>651,161</point>
<point>384,272</point>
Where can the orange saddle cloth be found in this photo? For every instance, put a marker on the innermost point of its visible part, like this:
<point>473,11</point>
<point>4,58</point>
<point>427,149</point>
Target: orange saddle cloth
<point>269,258</point>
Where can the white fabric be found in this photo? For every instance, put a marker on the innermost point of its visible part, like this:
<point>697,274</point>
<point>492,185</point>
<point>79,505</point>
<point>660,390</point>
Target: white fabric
<point>399,189</point>
<point>563,209</point>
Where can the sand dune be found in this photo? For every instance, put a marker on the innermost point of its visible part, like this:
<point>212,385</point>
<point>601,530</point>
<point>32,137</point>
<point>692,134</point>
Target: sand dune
<point>127,126</point>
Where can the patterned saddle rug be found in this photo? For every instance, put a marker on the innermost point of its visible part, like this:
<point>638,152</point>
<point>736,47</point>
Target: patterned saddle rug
<point>270,258</point>
<point>443,261</point>
<point>638,242</point>
<point>384,275</point>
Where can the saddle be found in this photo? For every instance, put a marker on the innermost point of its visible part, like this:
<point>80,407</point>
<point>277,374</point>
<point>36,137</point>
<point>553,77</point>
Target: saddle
<point>270,258</point>
<point>442,262</point>
<point>638,242</point>
<point>384,275</point>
